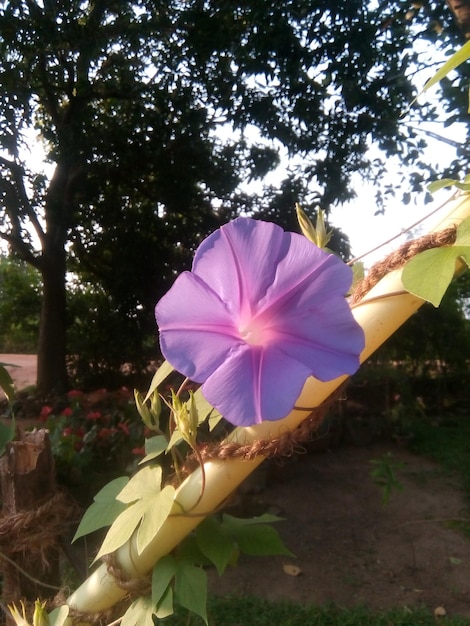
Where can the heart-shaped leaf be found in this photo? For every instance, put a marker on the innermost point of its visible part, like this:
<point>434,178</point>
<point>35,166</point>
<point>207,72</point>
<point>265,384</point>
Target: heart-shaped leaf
<point>104,509</point>
<point>429,273</point>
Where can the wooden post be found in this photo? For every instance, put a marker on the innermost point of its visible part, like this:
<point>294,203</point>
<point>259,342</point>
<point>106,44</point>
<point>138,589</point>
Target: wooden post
<point>27,477</point>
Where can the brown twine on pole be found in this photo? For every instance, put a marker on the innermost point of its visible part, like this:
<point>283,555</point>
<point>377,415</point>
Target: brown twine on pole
<point>134,587</point>
<point>399,257</point>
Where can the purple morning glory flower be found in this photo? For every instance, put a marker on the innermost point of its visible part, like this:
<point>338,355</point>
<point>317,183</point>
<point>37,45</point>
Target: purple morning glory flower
<point>260,312</point>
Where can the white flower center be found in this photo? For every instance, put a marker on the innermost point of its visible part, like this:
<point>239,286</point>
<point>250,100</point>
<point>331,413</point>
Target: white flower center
<point>253,334</point>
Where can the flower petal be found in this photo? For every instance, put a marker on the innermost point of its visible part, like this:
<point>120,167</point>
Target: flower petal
<point>196,330</point>
<point>255,384</point>
<point>306,272</point>
<point>239,261</point>
<point>328,342</point>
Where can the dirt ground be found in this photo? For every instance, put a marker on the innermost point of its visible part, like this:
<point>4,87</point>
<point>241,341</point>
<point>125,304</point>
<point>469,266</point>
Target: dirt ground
<point>349,548</point>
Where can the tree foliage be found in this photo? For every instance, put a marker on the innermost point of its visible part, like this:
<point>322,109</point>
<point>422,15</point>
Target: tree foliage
<point>20,303</point>
<point>153,116</point>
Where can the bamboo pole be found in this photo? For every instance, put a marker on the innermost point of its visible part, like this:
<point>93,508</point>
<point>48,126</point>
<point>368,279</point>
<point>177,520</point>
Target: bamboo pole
<point>380,313</point>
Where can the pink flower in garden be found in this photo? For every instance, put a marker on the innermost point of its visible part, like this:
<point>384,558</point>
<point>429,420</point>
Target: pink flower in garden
<point>93,415</point>
<point>105,433</point>
<point>124,427</point>
<point>68,431</point>
<point>45,412</point>
<point>74,393</point>
<point>67,412</point>
<point>260,312</point>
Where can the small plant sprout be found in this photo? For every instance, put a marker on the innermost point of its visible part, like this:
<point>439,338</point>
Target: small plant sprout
<point>318,234</point>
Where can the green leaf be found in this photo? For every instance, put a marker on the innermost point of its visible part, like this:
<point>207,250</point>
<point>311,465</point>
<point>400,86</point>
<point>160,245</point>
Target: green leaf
<point>175,438</point>
<point>104,510</point>
<point>143,410</point>
<point>449,182</point>
<point>216,543</point>
<point>154,446</point>
<point>428,274</point>
<point>236,522</point>
<point>384,475</point>
<point>158,507</point>
<point>147,482</point>
<point>160,375</point>
<point>191,588</point>
<point>455,60</point>
<point>206,410</point>
<point>189,550</point>
<point>436,185</point>
<point>7,432</point>
<point>254,536</point>
<point>358,273</point>
<point>203,407</point>
<point>122,528</point>
<point>58,616</point>
<point>139,613</point>
<point>150,509</point>
<point>165,608</point>
<point>260,540</point>
<point>463,233</point>
<point>163,573</point>
<point>6,382</point>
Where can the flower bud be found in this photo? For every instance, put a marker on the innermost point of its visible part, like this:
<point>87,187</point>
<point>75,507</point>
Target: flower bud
<point>316,234</point>
<point>40,616</point>
<point>186,417</point>
<point>150,416</point>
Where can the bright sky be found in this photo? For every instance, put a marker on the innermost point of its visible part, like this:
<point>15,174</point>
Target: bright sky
<point>366,230</point>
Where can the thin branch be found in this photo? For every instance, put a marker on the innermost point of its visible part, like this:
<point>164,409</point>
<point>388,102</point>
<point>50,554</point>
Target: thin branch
<point>26,575</point>
<point>451,142</point>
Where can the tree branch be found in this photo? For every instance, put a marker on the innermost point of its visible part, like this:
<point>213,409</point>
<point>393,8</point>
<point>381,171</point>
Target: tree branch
<point>17,189</point>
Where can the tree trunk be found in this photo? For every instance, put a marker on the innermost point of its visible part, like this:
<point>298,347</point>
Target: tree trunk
<point>52,355</point>
<point>52,368</point>
<point>29,524</point>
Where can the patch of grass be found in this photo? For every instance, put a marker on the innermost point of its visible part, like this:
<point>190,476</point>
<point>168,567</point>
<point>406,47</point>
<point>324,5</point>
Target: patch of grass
<point>250,611</point>
<point>446,441</point>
